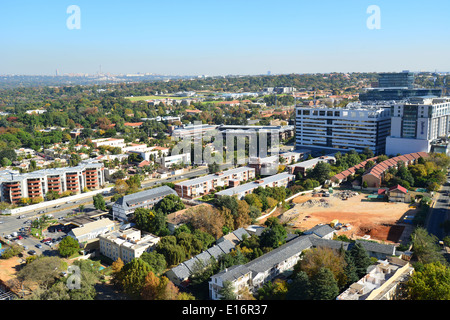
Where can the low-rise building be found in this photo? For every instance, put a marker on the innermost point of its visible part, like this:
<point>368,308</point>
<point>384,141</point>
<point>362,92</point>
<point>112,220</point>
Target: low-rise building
<point>381,282</point>
<point>278,180</point>
<point>87,234</point>
<point>127,244</point>
<point>197,187</point>
<point>126,205</point>
<point>301,167</point>
<point>267,267</point>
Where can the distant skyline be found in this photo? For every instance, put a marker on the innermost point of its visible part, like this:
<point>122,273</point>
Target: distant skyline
<point>223,37</point>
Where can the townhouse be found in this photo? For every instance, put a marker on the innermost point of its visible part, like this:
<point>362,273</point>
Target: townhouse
<point>375,176</point>
<point>197,187</point>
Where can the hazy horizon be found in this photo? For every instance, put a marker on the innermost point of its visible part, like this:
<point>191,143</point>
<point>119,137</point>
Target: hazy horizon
<point>191,38</point>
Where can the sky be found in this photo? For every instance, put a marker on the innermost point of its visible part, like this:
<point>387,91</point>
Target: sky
<point>217,37</point>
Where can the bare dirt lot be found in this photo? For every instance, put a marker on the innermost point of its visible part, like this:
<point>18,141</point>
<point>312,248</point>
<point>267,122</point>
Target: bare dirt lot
<point>380,220</point>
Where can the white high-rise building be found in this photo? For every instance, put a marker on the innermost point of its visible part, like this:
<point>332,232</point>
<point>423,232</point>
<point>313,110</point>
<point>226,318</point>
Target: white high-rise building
<point>416,123</point>
<point>342,129</point>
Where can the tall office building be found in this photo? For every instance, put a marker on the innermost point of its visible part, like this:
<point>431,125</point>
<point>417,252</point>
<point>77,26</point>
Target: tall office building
<point>416,123</point>
<point>396,86</point>
<point>342,129</point>
<point>403,79</point>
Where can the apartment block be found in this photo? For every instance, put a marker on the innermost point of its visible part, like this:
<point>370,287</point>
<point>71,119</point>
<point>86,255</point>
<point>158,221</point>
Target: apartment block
<point>381,282</point>
<point>127,244</point>
<point>278,180</point>
<point>109,142</point>
<point>197,187</point>
<point>416,123</point>
<point>342,129</point>
<point>126,205</point>
<point>15,185</point>
<point>254,274</point>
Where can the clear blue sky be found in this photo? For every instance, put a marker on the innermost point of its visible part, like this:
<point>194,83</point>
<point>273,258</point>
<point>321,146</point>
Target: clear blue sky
<point>218,37</point>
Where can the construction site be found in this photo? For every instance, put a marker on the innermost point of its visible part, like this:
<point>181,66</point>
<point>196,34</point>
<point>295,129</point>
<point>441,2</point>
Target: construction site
<point>352,215</point>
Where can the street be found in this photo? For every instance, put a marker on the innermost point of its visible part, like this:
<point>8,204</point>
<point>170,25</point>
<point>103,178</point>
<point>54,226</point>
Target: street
<point>439,212</point>
<point>12,223</point>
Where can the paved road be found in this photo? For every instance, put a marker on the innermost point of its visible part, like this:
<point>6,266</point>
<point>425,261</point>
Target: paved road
<point>439,212</point>
<point>10,224</point>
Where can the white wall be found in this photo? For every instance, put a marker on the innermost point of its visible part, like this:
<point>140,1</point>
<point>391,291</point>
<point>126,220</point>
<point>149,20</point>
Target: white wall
<point>406,146</point>
<point>52,203</point>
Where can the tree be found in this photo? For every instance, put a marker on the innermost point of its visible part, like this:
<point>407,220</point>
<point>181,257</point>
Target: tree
<point>68,246</point>
<point>44,271</point>
<point>316,258</point>
<point>99,202</point>
<point>143,218</point>
<point>274,235</point>
<point>116,267</point>
<point>425,246</point>
<point>227,291</point>
<point>169,204</point>
<point>207,219</point>
<point>155,260</point>
<point>213,167</point>
<point>430,283</point>
<point>321,172</point>
<point>300,287</point>
<point>133,276</point>
<point>121,186</point>
<point>361,259</point>
<point>324,285</point>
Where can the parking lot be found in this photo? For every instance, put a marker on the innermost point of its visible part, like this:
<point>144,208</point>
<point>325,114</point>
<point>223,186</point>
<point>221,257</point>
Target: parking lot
<point>54,234</point>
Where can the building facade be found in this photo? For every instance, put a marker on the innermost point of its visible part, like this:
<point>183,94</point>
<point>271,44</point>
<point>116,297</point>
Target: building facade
<point>126,205</point>
<point>15,186</point>
<point>416,123</point>
<point>197,187</point>
<point>279,180</point>
<point>126,245</point>
<point>342,129</point>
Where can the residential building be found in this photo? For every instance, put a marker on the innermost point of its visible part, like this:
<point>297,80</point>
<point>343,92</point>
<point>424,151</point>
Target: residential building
<point>126,205</point>
<point>15,185</point>
<point>381,282</point>
<point>192,131</point>
<point>416,123</point>
<point>254,274</point>
<point>398,194</point>
<point>264,166</point>
<point>170,161</point>
<point>180,274</point>
<point>279,180</point>
<point>87,234</point>
<point>375,176</point>
<point>344,175</point>
<point>342,129</point>
<point>127,244</point>
<point>109,142</point>
<point>303,166</point>
<point>197,187</point>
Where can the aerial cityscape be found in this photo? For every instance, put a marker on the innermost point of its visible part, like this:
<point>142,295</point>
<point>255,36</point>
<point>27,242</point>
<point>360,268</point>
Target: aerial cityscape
<point>198,170</point>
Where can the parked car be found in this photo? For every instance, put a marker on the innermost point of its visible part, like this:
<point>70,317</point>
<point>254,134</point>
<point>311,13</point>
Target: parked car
<point>39,246</point>
<point>32,252</point>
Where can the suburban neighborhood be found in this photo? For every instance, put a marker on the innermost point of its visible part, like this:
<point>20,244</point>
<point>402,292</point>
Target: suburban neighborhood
<point>228,158</point>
